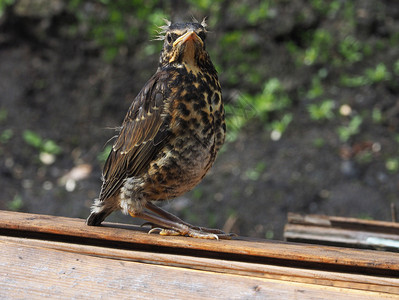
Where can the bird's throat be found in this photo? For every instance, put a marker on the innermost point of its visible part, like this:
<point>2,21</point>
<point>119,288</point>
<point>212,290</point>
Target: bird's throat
<point>189,60</point>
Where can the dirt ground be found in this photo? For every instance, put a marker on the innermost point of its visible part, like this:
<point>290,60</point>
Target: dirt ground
<point>61,89</point>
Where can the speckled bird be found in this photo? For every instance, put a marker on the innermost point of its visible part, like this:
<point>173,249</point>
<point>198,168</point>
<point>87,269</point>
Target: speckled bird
<point>169,138</point>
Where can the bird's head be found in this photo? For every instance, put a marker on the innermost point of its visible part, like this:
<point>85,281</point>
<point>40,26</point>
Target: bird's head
<point>184,43</point>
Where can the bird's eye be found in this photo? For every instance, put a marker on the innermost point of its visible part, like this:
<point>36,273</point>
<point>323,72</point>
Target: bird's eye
<point>169,38</point>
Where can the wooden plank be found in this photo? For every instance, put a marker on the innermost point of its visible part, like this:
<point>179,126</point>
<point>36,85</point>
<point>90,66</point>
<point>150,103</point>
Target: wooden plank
<point>36,273</point>
<point>321,257</point>
<point>341,237</point>
<point>345,223</point>
<point>350,232</point>
<point>341,280</point>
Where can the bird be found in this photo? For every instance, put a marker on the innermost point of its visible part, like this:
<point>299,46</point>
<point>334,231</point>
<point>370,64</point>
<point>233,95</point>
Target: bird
<point>169,137</point>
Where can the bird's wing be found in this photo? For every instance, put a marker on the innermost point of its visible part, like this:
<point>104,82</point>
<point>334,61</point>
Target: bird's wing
<point>141,137</point>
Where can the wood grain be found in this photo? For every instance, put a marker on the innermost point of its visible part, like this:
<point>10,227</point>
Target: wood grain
<point>291,254</point>
<point>339,231</point>
<point>37,272</point>
<point>342,280</point>
<point>345,223</point>
<point>56,257</point>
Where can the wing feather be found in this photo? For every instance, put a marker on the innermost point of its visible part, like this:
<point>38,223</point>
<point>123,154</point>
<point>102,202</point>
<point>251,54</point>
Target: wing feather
<point>141,137</point>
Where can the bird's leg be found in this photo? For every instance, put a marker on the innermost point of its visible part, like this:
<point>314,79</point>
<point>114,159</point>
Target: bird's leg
<point>163,213</point>
<point>167,215</point>
<point>172,228</point>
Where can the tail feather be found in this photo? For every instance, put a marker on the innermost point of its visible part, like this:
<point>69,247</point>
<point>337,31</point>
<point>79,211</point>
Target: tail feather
<point>95,219</point>
<point>99,212</point>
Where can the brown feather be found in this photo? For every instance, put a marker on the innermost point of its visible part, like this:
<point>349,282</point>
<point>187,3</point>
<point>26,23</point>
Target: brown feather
<point>139,139</point>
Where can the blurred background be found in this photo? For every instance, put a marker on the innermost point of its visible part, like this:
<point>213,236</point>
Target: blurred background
<point>311,91</point>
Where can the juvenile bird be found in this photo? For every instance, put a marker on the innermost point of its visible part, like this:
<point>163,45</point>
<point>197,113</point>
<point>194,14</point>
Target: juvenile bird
<point>169,138</point>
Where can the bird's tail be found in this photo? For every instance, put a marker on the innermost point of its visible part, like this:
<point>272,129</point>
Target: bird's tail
<point>99,211</point>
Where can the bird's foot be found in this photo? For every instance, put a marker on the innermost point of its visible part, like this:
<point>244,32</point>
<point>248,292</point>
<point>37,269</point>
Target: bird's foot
<point>194,231</point>
<point>190,232</point>
<point>167,224</point>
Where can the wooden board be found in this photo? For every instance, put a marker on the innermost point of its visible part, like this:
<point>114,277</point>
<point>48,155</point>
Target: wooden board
<point>34,272</point>
<point>48,256</point>
<point>339,231</point>
<point>133,237</point>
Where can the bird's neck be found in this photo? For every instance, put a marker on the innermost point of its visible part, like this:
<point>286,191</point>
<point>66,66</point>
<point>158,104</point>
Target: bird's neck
<point>191,67</point>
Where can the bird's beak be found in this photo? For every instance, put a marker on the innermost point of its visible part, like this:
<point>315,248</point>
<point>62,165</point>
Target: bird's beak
<point>191,35</point>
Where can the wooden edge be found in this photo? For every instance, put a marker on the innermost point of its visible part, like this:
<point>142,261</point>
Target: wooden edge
<point>333,279</point>
<point>320,220</point>
<point>341,237</point>
<point>345,223</point>
<point>322,257</point>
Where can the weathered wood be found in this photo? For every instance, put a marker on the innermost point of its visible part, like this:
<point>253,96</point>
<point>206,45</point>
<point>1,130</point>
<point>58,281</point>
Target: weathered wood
<point>319,229</point>
<point>37,272</point>
<point>295,255</point>
<point>341,280</point>
<point>344,223</point>
<point>57,257</point>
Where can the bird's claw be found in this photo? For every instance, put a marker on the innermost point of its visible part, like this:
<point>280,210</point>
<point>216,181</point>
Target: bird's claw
<point>194,231</point>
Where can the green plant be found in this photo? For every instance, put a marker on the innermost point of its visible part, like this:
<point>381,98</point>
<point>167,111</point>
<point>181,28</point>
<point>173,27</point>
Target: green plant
<point>197,193</point>
<point>364,216</point>
<point>353,128</point>
<point>4,4</point>
<point>114,25</point>
<point>377,74</point>
<point>256,172</point>
<point>322,111</point>
<point>371,75</point>
<point>278,127</point>
<point>351,49</point>
<point>364,157</point>
<point>392,164</point>
<point>273,99</point>
<point>353,81</point>
<point>43,145</point>
<point>6,135</point>
<point>396,67</point>
<point>253,16</point>
<point>318,142</point>
<point>207,7</point>
<point>316,88</point>
<point>269,234</point>
<point>16,203</point>
<point>376,115</point>
<point>238,114</point>
<point>245,70</point>
<point>319,49</point>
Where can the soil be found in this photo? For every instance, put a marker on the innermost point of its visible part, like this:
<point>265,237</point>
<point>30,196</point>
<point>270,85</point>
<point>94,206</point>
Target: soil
<point>61,89</point>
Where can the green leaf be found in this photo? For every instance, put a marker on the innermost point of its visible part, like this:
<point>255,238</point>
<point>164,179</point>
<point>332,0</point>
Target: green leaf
<point>6,135</point>
<point>16,203</point>
<point>51,147</point>
<point>321,111</point>
<point>32,138</point>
